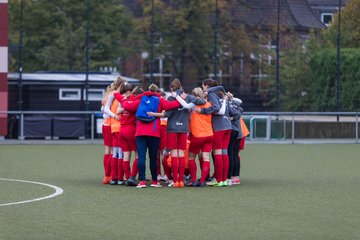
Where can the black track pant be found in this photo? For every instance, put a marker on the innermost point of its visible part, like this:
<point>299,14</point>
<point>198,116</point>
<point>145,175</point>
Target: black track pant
<point>233,149</point>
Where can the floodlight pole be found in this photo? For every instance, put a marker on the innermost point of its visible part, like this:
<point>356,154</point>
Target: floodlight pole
<point>87,42</point>
<point>21,60</point>
<point>338,103</point>
<point>21,63</point>
<point>152,44</point>
<point>215,56</point>
<point>277,93</point>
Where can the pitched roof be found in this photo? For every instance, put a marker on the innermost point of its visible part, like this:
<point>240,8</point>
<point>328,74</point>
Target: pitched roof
<point>293,13</point>
<point>303,14</point>
<point>326,2</point>
<point>69,77</point>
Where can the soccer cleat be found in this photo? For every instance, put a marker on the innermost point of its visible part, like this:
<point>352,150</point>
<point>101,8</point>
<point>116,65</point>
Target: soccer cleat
<point>235,181</point>
<point>176,185</point>
<point>113,182</point>
<point>170,183</point>
<point>201,184</point>
<point>155,184</point>
<point>181,184</point>
<point>164,178</point>
<point>142,184</point>
<point>225,183</point>
<point>220,184</point>
<point>229,182</point>
<point>132,182</point>
<point>191,184</point>
<point>106,180</point>
<point>213,182</point>
<point>121,182</point>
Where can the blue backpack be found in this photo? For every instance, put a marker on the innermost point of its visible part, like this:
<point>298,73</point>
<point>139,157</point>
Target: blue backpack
<point>147,104</point>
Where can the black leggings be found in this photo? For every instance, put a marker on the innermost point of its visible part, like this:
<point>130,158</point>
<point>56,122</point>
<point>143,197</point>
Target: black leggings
<point>233,150</point>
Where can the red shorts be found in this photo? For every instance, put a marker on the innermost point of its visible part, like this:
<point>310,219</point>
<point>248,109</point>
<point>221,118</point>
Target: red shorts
<point>115,139</point>
<point>106,132</point>
<point>163,137</point>
<point>242,143</point>
<point>203,144</point>
<point>176,141</point>
<point>127,138</point>
<point>221,139</point>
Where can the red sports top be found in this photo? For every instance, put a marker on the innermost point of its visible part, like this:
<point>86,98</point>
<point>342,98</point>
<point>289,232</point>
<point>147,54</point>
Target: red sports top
<point>127,116</point>
<point>151,128</point>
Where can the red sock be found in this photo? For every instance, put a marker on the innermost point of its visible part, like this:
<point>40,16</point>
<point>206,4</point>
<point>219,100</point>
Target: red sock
<point>105,159</point>
<point>218,167</point>
<point>126,167</point>
<point>214,164</point>
<point>134,169</point>
<point>205,171</point>
<point>192,167</point>
<point>181,168</point>
<point>114,168</point>
<point>175,168</point>
<point>225,158</point>
<point>108,165</point>
<point>166,168</point>
<point>120,169</point>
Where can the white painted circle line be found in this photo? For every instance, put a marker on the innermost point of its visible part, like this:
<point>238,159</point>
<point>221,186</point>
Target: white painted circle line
<point>58,191</point>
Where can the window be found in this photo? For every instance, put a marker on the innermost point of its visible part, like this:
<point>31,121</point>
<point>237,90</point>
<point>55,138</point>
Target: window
<point>326,18</point>
<point>69,94</point>
<point>94,94</point>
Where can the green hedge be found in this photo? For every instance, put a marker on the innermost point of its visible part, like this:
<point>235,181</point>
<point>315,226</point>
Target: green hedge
<point>323,66</point>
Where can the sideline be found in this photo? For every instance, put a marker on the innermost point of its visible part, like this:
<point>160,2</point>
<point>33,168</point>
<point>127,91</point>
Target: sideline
<point>58,191</point>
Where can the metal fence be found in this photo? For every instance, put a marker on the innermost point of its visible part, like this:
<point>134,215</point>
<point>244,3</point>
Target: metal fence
<point>264,127</point>
<point>303,127</point>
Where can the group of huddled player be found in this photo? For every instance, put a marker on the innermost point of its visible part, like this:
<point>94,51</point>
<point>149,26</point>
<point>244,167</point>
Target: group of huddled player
<point>206,123</point>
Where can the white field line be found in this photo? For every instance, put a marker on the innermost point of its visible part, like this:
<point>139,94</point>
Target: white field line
<point>58,191</point>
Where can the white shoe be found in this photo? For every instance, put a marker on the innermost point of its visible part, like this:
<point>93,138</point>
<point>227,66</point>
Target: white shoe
<point>170,183</point>
<point>229,182</point>
<point>155,184</point>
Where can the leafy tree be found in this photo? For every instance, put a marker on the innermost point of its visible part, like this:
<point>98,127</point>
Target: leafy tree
<point>308,75</point>
<point>350,27</point>
<point>323,74</point>
<point>323,63</point>
<point>54,34</point>
<point>185,36</point>
<point>296,79</point>
<point>183,33</point>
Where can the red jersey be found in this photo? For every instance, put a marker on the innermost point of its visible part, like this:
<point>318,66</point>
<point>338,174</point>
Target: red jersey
<point>148,128</point>
<point>127,116</point>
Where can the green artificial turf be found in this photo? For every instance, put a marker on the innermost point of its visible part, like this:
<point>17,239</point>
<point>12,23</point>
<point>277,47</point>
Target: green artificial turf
<point>286,192</point>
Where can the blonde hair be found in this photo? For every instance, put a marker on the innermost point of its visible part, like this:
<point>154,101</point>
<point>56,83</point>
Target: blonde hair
<point>109,89</point>
<point>153,88</point>
<point>198,92</point>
